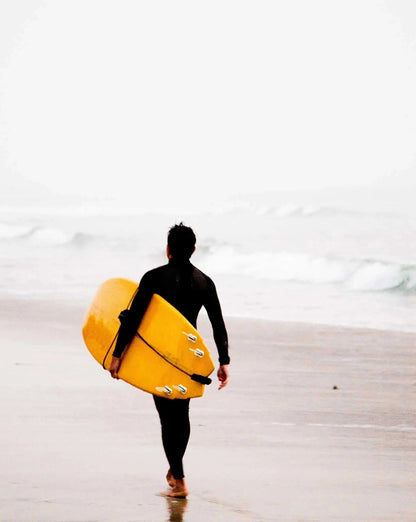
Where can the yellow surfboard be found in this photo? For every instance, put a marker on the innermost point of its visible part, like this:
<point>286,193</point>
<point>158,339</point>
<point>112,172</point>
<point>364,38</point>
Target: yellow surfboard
<point>167,357</point>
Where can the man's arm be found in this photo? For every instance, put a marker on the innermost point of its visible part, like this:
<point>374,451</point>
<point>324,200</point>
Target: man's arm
<point>130,322</point>
<point>214,311</point>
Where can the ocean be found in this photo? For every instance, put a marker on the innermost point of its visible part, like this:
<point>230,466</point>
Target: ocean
<point>336,257</point>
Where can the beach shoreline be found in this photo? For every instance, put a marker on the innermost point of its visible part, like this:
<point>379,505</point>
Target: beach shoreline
<point>316,424</point>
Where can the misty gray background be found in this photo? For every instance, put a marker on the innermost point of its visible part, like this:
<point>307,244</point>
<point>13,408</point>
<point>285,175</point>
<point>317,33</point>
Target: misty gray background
<point>97,97</point>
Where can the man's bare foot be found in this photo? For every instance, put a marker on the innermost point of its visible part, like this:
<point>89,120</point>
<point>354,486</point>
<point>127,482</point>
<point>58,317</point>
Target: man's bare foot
<point>171,479</point>
<point>179,490</point>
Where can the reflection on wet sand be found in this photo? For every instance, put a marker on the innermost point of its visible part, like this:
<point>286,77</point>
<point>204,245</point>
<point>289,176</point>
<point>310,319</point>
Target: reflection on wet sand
<point>176,508</point>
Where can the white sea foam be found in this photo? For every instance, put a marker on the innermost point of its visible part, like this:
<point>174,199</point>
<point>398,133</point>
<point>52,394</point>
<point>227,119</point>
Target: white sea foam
<point>41,236</point>
<point>12,231</point>
<point>378,276</point>
<point>289,266</point>
<point>49,237</point>
<point>411,282</point>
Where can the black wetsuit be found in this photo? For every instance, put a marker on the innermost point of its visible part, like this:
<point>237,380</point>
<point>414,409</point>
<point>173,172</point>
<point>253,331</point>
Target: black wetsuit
<point>188,290</point>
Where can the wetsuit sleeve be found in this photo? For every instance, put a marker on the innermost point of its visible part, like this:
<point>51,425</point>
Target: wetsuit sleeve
<point>130,320</point>
<point>213,308</point>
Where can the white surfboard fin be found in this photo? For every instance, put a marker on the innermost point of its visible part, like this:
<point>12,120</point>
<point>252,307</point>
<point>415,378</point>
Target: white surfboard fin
<point>180,387</point>
<point>191,337</point>
<point>164,389</point>
<point>198,352</point>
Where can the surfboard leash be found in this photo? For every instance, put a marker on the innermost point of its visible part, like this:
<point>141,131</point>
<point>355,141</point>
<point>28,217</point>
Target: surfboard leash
<point>108,351</point>
<point>194,376</point>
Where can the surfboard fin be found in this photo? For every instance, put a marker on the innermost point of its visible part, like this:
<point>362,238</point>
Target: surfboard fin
<point>165,389</point>
<point>191,337</point>
<point>197,352</point>
<point>181,388</point>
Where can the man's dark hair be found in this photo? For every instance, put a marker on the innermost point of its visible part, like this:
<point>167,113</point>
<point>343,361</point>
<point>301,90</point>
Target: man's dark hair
<point>181,241</point>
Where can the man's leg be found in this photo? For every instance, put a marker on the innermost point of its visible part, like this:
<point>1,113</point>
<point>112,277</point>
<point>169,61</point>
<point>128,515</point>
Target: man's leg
<point>174,420</point>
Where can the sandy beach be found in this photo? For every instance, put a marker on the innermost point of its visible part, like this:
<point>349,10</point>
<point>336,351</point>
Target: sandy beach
<point>317,424</point>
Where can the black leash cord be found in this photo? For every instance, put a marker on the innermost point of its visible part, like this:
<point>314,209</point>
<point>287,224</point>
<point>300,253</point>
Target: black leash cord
<point>108,351</point>
<point>194,376</point>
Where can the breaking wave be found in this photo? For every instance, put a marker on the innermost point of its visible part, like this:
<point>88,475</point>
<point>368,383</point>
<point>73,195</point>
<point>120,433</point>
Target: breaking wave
<point>41,236</point>
<point>223,258</point>
<point>8,231</point>
<point>366,275</point>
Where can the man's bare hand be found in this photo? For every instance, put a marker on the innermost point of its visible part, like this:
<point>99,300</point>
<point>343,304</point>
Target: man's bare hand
<point>223,376</point>
<point>114,367</point>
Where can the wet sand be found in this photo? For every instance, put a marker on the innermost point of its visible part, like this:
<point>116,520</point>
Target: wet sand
<point>317,424</point>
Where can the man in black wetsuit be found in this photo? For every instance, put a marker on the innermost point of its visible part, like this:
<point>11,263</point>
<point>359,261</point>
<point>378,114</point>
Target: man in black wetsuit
<point>188,290</point>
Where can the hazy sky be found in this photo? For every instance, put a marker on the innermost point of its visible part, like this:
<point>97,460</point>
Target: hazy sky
<point>171,96</point>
